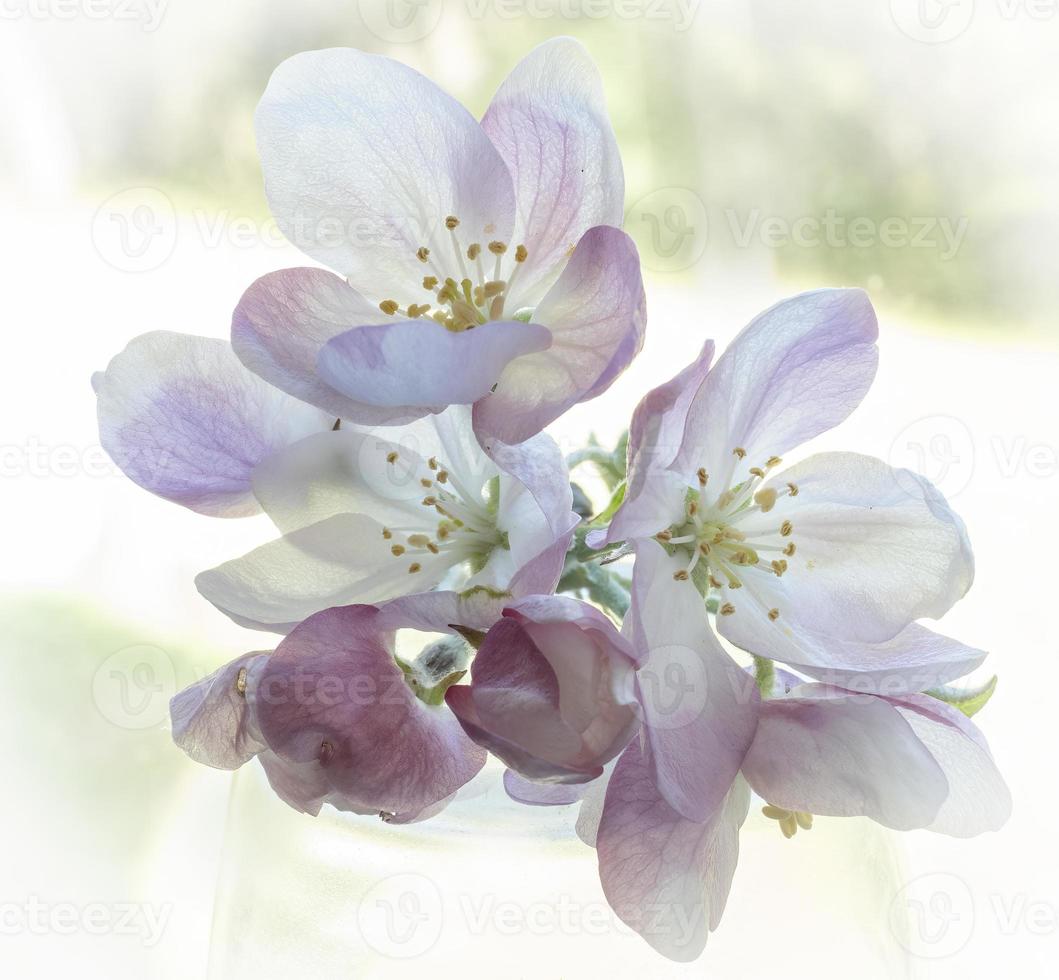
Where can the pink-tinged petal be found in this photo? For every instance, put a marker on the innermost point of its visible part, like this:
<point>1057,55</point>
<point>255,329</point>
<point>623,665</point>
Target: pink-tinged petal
<point>364,159</point>
<point>979,799</point>
<point>436,612</point>
<point>542,794</point>
<point>665,876</point>
<point>699,709</point>
<point>844,755</point>
<point>590,812</point>
<point>549,121</point>
<point>212,720</point>
<point>420,361</point>
<point>282,322</point>
<point>513,708</point>
<point>659,503</point>
<point>538,464</point>
<point>184,419</point>
<point>540,575</point>
<point>341,560</point>
<point>797,370</point>
<point>597,314</point>
<point>302,786</point>
<point>915,660</point>
<point>657,426</point>
<point>332,694</point>
<point>877,549</point>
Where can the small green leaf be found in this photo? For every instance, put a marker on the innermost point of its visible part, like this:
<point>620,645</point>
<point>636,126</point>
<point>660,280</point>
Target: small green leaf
<point>474,637</point>
<point>969,700</point>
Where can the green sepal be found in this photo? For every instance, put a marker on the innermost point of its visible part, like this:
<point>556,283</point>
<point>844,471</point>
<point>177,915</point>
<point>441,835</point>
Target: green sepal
<point>474,637</point>
<point>969,701</point>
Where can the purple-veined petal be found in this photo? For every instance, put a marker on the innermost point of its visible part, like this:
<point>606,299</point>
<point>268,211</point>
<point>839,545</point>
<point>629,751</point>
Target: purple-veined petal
<point>184,419</point>
<point>365,158</point>
<point>212,720</point>
<point>665,876</point>
<point>540,575</point>
<point>877,549</point>
<point>797,370</point>
<point>282,322</point>
<point>420,361</point>
<point>596,314</point>
<point>332,694</point>
<point>979,799</point>
<point>549,121</point>
<point>836,754</point>
<point>542,794</point>
<point>699,709</point>
<point>341,560</point>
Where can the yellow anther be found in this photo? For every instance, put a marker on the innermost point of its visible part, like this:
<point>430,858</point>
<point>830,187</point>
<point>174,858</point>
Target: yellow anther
<point>414,567</point>
<point>424,482</point>
<point>758,472</point>
<point>474,251</point>
<point>430,501</point>
<point>240,683</point>
<point>663,535</point>
<point>443,476</point>
<point>805,820</point>
<point>452,222</point>
<point>790,549</point>
<point>432,462</point>
<point>705,548</point>
<point>786,528</point>
<point>773,461</point>
<point>765,499</point>
<point>714,582</point>
<point>387,533</point>
<point>521,254</point>
<point>392,458</point>
<point>789,826</point>
<point>443,530</point>
<point>497,248</point>
<point>774,614</point>
<point>423,253</point>
<point>680,576</point>
<point>704,477</point>
<point>389,307</point>
<point>418,540</point>
<point>433,548</point>
<point>779,566</point>
<point>493,288</point>
<point>727,609</point>
<point>430,282</point>
<point>740,452</point>
<point>693,508</point>
<point>397,550</point>
<point>792,489</point>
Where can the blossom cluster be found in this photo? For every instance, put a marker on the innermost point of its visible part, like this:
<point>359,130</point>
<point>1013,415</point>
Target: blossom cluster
<point>386,409</point>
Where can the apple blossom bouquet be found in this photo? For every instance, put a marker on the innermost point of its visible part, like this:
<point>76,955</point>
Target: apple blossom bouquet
<point>388,417</point>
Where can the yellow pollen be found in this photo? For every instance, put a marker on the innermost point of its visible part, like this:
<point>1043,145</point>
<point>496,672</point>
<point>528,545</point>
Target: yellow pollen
<point>452,222</point>
<point>397,550</point>
<point>423,253</point>
<point>387,533</point>
<point>443,531</point>
<point>703,476</point>
<point>727,609</point>
<point>443,476</point>
<point>663,535</point>
<point>790,549</point>
<point>432,462</point>
<point>714,582</point>
<point>681,576</point>
<point>474,251</point>
<point>414,567</point>
<point>493,288</point>
<point>786,528</point>
<point>779,566</point>
<point>433,548</point>
<point>765,499</point>
<point>792,489</point>
<point>426,483</point>
<point>240,682</point>
<point>389,307</point>
<point>758,472</point>
<point>497,248</point>
<point>392,458</point>
<point>773,461</point>
<point>418,540</point>
<point>740,452</point>
<point>430,282</point>
<point>521,254</point>
<point>774,614</point>
<point>430,501</point>
<point>704,548</point>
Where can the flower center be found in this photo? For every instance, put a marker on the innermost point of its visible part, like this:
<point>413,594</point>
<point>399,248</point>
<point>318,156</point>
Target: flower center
<point>721,554</point>
<point>472,299</point>
<point>458,525</point>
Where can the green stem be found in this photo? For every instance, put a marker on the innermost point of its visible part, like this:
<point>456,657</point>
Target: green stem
<point>765,675</point>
